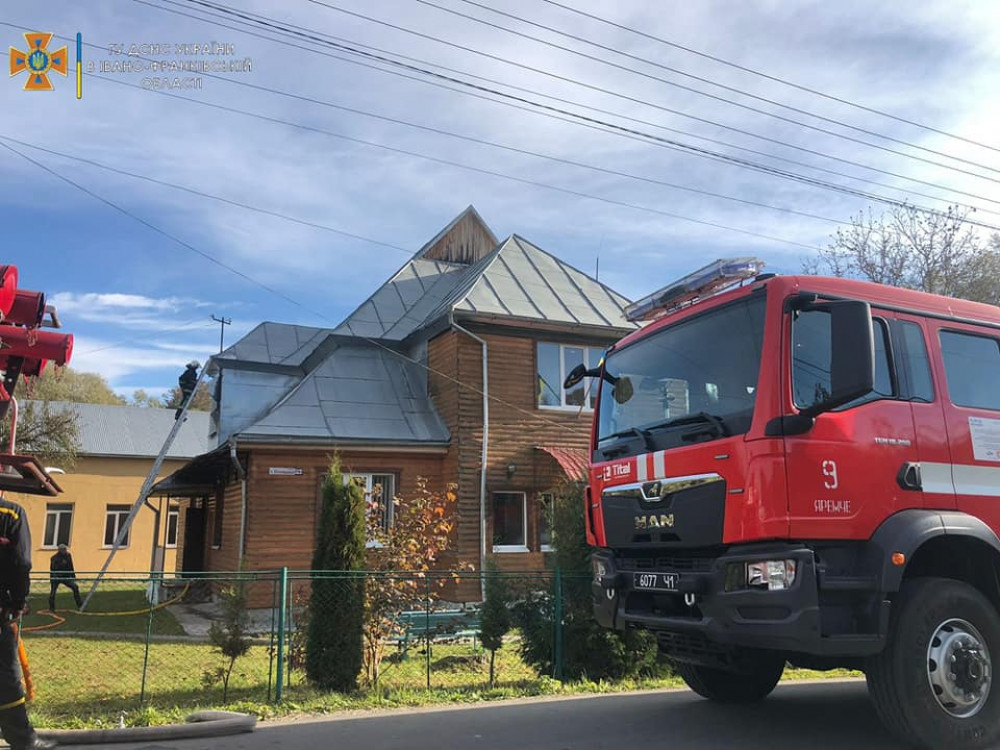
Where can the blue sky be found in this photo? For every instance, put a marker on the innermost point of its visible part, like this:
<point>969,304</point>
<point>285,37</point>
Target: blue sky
<point>139,304</point>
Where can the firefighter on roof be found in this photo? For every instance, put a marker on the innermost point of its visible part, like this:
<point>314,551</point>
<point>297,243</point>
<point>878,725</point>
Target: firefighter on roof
<point>187,381</point>
<point>15,565</point>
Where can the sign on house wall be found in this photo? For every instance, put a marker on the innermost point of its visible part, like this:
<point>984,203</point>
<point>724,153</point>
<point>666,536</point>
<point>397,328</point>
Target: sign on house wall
<point>284,471</point>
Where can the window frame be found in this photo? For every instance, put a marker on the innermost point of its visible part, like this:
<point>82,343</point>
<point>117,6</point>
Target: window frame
<point>58,510</point>
<point>511,548</point>
<point>881,325</point>
<point>590,392</point>
<point>120,512</point>
<point>944,363</point>
<point>542,547</point>
<point>369,487</point>
<point>173,511</point>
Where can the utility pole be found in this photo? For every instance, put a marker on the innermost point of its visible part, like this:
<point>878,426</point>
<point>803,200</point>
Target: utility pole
<point>223,322</point>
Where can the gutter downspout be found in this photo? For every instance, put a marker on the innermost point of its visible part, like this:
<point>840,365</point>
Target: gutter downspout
<point>485,455</point>
<point>243,500</point>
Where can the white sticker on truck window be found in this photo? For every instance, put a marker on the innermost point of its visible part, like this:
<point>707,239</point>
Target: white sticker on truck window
<point>985,438</point>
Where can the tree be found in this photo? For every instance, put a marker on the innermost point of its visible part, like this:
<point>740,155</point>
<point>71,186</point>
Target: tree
<point>589,650</point>
<point>146,400</point>
<point>230,636</point>
<point>495,615</point>
<point>51,435</point>
<point>200,401</point>
<point>67,384</point>
<point>908,247</point>
<point>418,535</point>
<point>336,605</point>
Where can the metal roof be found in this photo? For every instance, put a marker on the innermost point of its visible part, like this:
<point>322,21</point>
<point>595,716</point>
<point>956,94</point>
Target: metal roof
<point>521,280</point>
<point>134,431</point>
<point>360,393</point>
<point>517,280</point>
<point>276,344</point>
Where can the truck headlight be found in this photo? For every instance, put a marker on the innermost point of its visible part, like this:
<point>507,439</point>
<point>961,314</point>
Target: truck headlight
<point>770,575</point>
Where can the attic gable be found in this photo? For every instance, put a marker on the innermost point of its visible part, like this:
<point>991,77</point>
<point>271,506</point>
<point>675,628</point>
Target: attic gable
<point>466,240</point>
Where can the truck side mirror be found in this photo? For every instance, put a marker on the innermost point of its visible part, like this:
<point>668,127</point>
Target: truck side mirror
<point>575,375</point>
<point>852,355</point>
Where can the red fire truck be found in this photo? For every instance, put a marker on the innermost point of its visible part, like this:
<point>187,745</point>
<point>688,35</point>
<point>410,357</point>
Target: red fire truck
<point>806,470</point>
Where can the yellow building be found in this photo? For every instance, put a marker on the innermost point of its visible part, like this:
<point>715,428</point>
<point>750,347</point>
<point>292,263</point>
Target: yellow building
<point>118,445</point>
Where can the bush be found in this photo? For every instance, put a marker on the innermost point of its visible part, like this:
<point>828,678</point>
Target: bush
<point>231,636</point>
<point>495,621</point>
<point>589,651</point>
<point>337,603</point>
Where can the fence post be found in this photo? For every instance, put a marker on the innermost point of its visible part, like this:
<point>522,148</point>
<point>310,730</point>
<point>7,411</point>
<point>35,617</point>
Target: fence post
<point>149,635</point>
<point>427,625</point>
<point>557,656</point>
<point>279,688</point>
<point>270,648</point>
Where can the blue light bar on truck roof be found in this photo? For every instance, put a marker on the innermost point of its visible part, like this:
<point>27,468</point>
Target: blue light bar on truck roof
<point>704,282</point>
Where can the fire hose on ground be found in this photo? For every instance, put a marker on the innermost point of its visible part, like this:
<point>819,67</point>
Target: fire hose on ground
<point>198,725</point>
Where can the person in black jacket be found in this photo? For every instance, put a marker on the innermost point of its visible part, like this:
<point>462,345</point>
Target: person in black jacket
<point>61,573</point>
<point>15,566</point>
<point>187,382</point>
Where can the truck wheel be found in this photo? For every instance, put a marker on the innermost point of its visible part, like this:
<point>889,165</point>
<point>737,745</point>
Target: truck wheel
<point>733,687</point>
<point>931,685</point>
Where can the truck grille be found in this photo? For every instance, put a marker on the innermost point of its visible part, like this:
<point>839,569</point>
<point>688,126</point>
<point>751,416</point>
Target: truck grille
<point>700,561</point>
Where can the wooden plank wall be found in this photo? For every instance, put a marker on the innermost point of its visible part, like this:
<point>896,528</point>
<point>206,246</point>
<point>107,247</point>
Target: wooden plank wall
<point>517,426</point>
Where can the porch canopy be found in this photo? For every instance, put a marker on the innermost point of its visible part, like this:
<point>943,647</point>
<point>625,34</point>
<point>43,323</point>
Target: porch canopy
<point>572,461</point>
<point>200,476</point>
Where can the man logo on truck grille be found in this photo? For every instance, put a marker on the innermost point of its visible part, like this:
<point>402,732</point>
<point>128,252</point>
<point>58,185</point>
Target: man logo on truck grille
<point>654,522</point>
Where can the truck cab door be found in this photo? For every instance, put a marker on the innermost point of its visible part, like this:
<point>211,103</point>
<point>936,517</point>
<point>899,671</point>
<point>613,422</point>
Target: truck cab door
<point>968,362</point>
<point>847,472</point>
<point>910,337</point>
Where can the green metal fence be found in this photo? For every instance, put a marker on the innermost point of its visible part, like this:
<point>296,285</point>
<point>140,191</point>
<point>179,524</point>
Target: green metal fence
<point>146,640</point>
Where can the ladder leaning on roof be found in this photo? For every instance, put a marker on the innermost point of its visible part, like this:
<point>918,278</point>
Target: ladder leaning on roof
<point>144,492</point>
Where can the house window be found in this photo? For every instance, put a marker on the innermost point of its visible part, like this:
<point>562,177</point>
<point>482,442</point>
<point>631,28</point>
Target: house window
<point>173,520</point>
<point>555,361</point>
<point>379,489</point>
<point>114,521</point>
<point>546,508</point>
<point>58,521</point>
<point>510,519</point>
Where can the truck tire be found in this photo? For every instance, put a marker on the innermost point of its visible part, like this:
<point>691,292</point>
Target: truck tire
<point>733,687</point>
<point>939,624</point>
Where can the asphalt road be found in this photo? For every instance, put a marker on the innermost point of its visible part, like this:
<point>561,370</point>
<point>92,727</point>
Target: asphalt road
<point>815,716</point>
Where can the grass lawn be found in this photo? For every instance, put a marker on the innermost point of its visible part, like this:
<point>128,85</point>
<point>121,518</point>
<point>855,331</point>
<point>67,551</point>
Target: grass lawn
<point>83,682</point>
<point>112,597</point>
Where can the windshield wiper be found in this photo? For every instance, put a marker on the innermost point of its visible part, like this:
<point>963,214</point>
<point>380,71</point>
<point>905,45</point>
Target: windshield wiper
<point>647,439</point>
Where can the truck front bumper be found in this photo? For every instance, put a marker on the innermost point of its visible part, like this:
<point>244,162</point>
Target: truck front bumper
<point>711,614</point>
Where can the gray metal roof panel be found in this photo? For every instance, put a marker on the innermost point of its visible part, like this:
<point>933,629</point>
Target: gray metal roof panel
<point>276,344</point>
<point>358,394</point>
<point>134,431</point>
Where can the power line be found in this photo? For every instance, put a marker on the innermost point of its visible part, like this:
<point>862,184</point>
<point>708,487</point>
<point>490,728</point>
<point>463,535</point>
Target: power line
<point>202,194</point>
<point>701,79</point>
<point>776,79</point>
<point>309,35</point>
<point>189,326</point>
<point>577,119</point>
<point>153,227</point>
<point>474,51</point>
<point>469,167</point>
<point>480,141</point>
<point>669,142</point>
<point>265,287</point>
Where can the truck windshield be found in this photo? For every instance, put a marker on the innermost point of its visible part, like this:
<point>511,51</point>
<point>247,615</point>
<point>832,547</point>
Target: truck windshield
<point>691,381</point>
